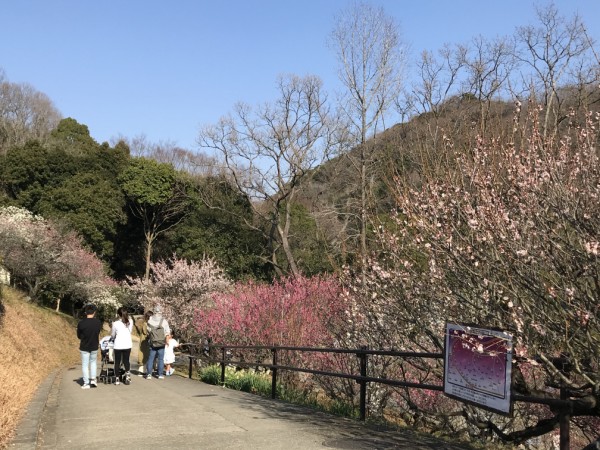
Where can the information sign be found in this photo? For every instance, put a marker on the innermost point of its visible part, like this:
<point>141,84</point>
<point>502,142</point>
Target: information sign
<point>477,367</point>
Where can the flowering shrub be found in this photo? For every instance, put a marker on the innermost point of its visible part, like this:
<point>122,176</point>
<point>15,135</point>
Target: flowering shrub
<point>47,258</point>
<point>292,311</point>
<point>181,288</point>
<point>105,294</point>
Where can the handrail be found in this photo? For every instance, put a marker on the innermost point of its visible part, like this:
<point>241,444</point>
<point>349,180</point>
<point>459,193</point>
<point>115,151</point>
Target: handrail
<point>361,379</point>
<point>361,353</point>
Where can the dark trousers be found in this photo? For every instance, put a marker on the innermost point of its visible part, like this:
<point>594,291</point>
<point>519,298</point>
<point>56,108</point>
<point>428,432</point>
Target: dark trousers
<point>121,356</point>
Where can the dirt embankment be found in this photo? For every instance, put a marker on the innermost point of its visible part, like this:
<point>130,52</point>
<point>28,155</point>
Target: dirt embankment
<point>34,341</point>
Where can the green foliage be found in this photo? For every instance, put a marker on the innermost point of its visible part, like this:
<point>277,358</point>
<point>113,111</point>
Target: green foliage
<point>148,182</point>
<point>219,233</point>
<point>90,204</point>
<point>239,380</point>
<point>78,188</point>
<point>128,257</point>
<point>260,383</point>
<point>309,247</point>
<point>73,136</point>
<point>106,162</point>
<point>27,170</point>
<point>210,374</point>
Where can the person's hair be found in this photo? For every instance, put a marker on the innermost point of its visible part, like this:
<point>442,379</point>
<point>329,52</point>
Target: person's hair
<point>123,315</point>
<point>89,309</point>
<point>147,315</point>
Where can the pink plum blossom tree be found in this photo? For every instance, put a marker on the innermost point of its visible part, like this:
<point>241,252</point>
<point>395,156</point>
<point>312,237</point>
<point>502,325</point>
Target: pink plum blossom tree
<point>292,312</point>
<point>45,257</point>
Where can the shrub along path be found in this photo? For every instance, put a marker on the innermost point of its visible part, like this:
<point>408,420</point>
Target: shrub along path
<point>186,414</point>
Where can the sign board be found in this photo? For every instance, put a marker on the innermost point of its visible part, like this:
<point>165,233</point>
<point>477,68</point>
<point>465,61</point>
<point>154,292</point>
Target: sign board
<point>477,367</point>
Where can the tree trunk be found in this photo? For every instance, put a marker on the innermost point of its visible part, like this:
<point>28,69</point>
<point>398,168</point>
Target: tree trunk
<point>148,256</point>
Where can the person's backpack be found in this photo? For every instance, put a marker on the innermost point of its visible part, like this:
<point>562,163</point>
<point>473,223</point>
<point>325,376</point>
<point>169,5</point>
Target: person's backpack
<point>156,335</point>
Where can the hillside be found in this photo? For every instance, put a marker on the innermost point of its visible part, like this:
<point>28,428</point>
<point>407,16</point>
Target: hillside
<point>423,148</point>
<point>29,353</point>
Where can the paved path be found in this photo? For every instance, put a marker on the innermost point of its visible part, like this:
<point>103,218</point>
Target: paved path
<point>179,413</point>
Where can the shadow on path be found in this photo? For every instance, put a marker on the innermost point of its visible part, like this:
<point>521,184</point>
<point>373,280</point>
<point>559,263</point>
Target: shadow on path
<point>185,414</point>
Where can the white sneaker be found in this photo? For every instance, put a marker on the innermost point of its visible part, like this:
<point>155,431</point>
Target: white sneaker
<point>148,377</point>
<point>161,377</point>
<point>93,383</point>
<point>117,382</point>
<point>85,386</point>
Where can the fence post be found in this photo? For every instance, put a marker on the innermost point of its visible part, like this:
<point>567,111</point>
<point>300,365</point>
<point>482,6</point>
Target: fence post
<point>564,420</point>
<point>190,367</point>
<point>223,366</point>
<point>363,383</point>
<point>274,374</point>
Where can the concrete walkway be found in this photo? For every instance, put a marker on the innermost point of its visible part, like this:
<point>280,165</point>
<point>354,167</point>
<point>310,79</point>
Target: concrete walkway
<point>179,413</point>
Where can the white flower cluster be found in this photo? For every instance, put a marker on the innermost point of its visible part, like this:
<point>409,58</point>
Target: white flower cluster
<point>20,222</point>
<point>16,214</point>
<point>100,294</point>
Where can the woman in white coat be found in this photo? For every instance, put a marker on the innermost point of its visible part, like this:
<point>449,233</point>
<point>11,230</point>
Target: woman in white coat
<point>121,336</point>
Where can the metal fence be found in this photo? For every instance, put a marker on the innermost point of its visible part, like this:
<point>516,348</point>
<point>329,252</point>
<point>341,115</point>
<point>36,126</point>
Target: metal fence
<point>225,358</point>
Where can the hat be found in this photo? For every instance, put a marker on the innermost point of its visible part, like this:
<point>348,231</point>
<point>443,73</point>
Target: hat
<point>158,309</point>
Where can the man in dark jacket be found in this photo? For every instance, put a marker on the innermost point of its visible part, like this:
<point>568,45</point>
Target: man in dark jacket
<point>88,330</point>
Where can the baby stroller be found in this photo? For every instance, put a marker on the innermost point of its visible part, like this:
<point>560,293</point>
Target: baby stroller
<point>107,370</point>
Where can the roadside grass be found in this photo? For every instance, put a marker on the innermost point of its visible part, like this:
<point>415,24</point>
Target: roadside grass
<point>260,383</point>
<point>34,341</point>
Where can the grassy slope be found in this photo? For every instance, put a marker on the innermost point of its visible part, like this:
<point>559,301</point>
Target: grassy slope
<point>28,353</point>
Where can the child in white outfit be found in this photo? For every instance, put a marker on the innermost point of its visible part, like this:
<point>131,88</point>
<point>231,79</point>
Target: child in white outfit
<point>170,355</point>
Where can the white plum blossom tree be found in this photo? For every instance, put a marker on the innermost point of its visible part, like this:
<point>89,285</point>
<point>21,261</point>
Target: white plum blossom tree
<point>509,238</point>
<point>181,288</point>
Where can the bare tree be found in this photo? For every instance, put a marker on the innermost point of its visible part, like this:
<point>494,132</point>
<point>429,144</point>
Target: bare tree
<point>168,152</point>
<point>553,50</point>
<point>437,80</point>
<point>25,114</point>
<point>489,65</point>
<point>370,56</point>
<point>269,151</point>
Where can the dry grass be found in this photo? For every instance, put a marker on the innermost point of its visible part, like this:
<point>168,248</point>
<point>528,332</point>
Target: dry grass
<point>34,341</point>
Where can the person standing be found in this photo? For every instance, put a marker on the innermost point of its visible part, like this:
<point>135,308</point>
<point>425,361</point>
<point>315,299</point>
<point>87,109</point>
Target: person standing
<point>170,355</point>
<point>141,326</point>
<point>121,335</point>
<point>158,329</point>
<point>88,332</point>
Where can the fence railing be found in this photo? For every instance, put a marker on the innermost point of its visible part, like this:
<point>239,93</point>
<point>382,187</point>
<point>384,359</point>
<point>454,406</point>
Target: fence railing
<point>225,359</point>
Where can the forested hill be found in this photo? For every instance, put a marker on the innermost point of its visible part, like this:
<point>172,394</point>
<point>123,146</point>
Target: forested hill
<point>118,202</point>
<point>423,148</point>
<point>107,193</point>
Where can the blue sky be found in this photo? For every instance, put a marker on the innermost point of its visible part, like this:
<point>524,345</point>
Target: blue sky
<point>163,69</point>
